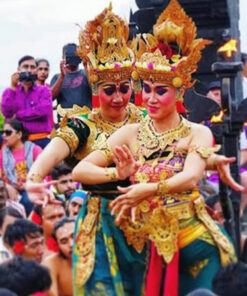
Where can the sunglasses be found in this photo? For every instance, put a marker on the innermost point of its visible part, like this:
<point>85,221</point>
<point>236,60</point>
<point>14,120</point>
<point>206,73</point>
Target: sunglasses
<point>8,132</point>
<point>110,89</point>
<point>159,89</point>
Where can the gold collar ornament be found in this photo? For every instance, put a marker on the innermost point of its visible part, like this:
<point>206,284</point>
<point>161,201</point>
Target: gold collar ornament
<point>171,54</point>
<point>151,141</point>
<point>103,49</point>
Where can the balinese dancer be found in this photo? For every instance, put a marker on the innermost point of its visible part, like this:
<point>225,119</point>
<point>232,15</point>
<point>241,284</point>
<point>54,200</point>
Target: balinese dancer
<point>165,155</point>
<point>103,264</point>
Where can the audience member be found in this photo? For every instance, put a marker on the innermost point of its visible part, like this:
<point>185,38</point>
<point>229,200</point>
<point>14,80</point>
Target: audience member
<point>60,265</point>
<point>29,102</point>
<point>75,202</point>
<point>231,280</point>
<point>65,186</point>
<point>9,197</point>
<point>71,85</point>
<point>214,91</point>
<point>24,277</point>
<point>7,216</point>
<point>47,217</point>
<point>26,239</point>
<point>43,69</point>
<point>17,157</point>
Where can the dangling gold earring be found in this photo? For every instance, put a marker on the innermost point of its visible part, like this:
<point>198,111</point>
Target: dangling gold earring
<point>179,97</point>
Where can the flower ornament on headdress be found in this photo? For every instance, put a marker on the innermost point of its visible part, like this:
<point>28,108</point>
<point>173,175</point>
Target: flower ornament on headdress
<point>172,53</point>
<point>103,49</point>
<point>18,247</point>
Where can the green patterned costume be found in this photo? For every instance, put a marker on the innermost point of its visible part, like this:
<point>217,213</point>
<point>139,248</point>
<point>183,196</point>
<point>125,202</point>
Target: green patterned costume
<point>103,263</point>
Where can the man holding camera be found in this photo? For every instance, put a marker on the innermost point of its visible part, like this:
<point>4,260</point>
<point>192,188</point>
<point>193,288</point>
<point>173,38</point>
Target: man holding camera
<point>29,102</point>
<point>71,85</point>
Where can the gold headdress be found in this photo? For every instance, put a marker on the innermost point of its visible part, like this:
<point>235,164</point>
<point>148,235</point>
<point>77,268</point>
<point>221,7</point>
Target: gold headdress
<point>171,54</point>
<point>103,48</point>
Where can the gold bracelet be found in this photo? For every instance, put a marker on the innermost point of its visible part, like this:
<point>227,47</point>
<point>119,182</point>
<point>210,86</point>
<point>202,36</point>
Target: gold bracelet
<point>35,177</point>
<point>214,161</point>
<point>111,173</point>
<point>162,188</point>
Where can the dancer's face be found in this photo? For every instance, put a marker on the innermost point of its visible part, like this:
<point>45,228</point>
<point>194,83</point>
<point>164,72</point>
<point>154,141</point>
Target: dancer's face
<point>159,99</point>
<point>114,97</point>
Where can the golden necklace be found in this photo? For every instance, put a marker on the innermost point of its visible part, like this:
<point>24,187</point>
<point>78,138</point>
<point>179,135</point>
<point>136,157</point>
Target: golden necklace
<point>151,141</point>
<point>133,115</point>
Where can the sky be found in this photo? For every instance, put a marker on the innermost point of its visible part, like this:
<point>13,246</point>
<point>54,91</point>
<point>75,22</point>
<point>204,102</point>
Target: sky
<point>41,28</point>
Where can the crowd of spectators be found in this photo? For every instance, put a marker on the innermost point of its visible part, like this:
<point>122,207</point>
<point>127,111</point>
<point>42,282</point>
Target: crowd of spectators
<point>36,242</point>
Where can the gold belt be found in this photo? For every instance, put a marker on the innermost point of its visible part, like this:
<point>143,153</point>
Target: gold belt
<point>181,210</point>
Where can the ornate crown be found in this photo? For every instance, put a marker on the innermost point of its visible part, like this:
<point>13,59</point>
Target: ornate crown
<point>103,48</point>
<point>171,54</point>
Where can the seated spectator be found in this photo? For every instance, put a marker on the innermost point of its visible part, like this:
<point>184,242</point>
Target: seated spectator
<point>47,217</point>
<point>65,186</point>
<point>71,85</point>
<point>43,69</point>
<point>60,264</point>
<point>17,157</point>
<point>26,239</point>
<point>29,102</point>
<point>231,280</point>
<point>7,216</point>
<point>75,202</point>
<point>24,277</point>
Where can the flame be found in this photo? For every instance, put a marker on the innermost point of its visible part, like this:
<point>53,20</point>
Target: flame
<point>218,117</point>
<point>229,48</point>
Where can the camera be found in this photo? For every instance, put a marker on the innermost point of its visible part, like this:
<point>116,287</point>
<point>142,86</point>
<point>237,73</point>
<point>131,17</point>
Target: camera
<point>71,58</point>
<point>27,76</point>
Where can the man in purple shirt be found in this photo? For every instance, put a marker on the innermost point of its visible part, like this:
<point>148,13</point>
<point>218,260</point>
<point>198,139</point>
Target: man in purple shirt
<point>29,102</point>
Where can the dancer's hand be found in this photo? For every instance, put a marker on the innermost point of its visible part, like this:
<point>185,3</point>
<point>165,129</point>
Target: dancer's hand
<point>132,196</point>
<point>222,164</point>
<point>125,163</point>
<point>39,194</point>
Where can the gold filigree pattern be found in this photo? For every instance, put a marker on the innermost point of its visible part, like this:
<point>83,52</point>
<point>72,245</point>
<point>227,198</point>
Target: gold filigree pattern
<point>69,136</point>
<point>197,267</point>
<point>133,115</point>
<point>85,243</point>
<point>225,247</point>
<point>156,58</point>
<point>103,48</point>
<point>151,141</point>
<point>204,152</point>
<point>74,111</point>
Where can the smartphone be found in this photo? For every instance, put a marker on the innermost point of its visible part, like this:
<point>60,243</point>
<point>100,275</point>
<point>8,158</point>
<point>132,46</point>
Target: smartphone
<point>71,58</point>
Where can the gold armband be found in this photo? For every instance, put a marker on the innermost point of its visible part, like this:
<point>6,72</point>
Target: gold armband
<point>111,173</point>
<point>163,188</point>
<point>106,150</point>
<point>204,152</point>
<point>34,177</point>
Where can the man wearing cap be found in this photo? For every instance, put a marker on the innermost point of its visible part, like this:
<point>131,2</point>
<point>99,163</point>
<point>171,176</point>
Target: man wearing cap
<point>75,202</point>
<point>214,91</point>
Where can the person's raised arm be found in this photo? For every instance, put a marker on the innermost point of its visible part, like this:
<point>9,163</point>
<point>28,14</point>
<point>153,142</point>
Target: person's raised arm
<point>9,99</point>
<point>186,180</point>
<point>56,86</point>
<point>93,169</point>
